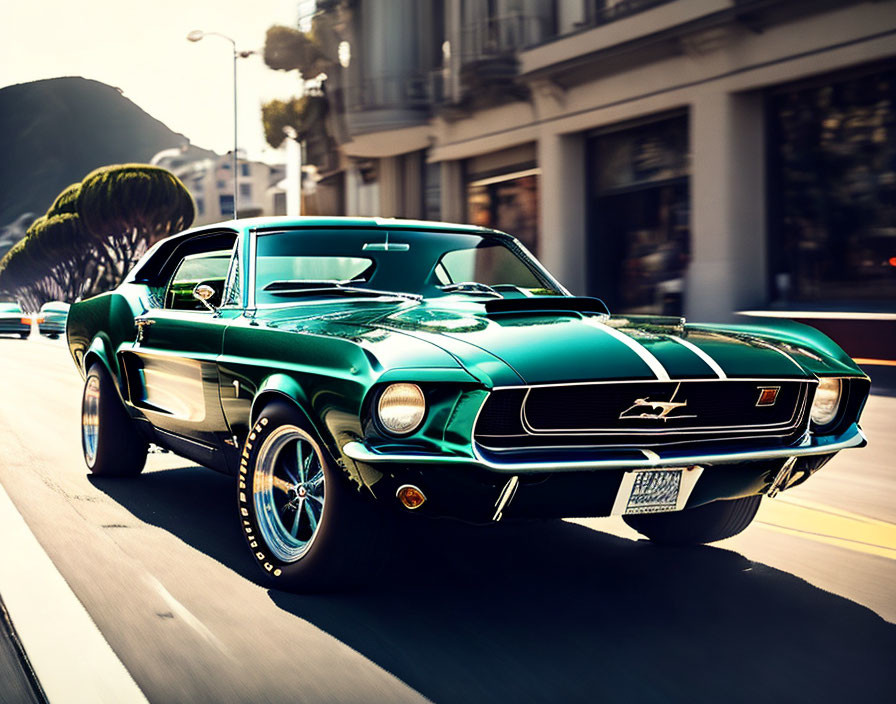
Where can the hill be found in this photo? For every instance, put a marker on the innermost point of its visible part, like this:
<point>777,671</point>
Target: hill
<point>53,132</point>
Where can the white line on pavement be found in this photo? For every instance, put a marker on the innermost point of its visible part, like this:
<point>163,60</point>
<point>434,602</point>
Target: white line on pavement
<point>70,657</point>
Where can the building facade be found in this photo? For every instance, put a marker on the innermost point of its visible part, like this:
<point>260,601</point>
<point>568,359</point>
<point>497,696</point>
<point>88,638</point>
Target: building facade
<point>693,157</point>
<point>210,182</point>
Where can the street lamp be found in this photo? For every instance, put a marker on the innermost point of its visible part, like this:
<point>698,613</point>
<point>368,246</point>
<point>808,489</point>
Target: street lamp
<point>195,36</point>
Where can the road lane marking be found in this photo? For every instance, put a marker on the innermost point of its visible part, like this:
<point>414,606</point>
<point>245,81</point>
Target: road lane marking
<point>875,362</point>
<point>829,525</point>
<point>69,655</point>
<point>185,615</point>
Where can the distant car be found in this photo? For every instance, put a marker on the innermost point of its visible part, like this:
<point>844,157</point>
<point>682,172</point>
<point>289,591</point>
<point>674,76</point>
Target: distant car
<point>344,368</point>
<point>51,319</point>
<point>13,321</point>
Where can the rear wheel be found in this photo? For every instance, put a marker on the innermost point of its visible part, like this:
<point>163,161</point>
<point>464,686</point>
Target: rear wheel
<point>24,335</point>
<point>307,526</point>
<point>112,445</point>
<point>701,524</point>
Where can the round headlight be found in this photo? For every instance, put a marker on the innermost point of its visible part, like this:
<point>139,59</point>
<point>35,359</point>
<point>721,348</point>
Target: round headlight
<point>401,408</point>
<point>827,401</point>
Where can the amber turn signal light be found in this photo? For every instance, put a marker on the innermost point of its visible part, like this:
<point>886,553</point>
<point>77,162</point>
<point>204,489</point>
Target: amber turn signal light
<point>410,496</point>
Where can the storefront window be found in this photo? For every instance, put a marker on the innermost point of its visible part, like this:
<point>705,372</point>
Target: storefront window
<point>508,203</point>
<point>639,239</point>
<point>833,190</point>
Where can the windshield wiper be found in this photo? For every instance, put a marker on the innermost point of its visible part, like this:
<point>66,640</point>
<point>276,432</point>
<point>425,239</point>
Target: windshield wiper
<point>311,287</point>
<point>470,287</point>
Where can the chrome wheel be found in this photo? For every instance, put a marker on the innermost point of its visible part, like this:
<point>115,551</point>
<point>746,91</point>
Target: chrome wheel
<point>289,492</point>
<point>90,418</point>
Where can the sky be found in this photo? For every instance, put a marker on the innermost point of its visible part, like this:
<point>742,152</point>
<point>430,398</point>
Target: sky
<point>141,48</point>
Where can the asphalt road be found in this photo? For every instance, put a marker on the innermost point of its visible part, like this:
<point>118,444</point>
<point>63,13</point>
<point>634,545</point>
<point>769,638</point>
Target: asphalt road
<point>801,607</point>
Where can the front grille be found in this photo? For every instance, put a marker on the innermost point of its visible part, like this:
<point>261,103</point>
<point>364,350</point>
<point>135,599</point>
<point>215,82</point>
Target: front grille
<point>642,413</point>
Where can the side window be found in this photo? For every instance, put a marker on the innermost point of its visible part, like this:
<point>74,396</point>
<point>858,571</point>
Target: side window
<point>208,268</point>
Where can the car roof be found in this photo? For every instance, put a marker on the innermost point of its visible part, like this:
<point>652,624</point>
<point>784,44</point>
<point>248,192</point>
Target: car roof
<point>286,221</point>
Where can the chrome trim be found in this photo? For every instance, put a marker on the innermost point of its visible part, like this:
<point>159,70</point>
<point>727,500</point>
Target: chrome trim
<point>616,446</point>
<point>90,419</point>
<point>250,270</point>
<point>806,378</point>
<point>359,452</point>
<point>702,354</point>
<point>780,478</point>
<point>177,436</point>
<point>505,497</point>
<point>795,419</point>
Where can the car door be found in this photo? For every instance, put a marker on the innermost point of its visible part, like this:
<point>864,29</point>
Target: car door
<point>172,366</point>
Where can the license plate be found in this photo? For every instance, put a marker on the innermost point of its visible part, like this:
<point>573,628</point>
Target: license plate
<point>655,490</point>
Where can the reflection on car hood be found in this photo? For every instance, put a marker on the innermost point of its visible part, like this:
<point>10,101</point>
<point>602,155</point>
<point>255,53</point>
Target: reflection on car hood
<point>536,347</point>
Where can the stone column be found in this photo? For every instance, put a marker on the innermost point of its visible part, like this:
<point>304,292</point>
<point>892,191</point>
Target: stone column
<point>413,186</point>
<point>563,209</point>
<point>453,196</point>
<point>390,181</point>
<point>728,269</point>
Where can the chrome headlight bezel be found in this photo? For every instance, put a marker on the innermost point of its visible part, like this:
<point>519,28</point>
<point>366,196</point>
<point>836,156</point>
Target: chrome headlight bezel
<point>401,408</point>
<point>827,401</point>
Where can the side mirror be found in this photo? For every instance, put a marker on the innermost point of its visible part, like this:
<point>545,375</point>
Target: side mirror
<point>204,292</point>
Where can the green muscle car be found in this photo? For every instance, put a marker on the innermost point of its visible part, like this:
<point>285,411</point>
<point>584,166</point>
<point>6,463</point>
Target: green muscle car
<point>343,369</point>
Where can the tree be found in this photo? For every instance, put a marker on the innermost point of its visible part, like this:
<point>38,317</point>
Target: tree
<point>63,246</point>
<point>94,232</point>
<point>302,114</point>
<point>288,49</point>
<point>127,208</point>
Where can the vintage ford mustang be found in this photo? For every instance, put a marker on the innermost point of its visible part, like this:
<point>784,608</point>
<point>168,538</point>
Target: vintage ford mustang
<point>342,368</point>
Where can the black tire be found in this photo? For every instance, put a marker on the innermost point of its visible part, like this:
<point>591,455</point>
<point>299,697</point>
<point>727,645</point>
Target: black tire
<point>24,335</point>
<point>703,524</point>
<point>112,445</point>
<point>342,547</point>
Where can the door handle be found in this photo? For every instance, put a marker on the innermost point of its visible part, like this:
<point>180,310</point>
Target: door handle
<point>141,324</point>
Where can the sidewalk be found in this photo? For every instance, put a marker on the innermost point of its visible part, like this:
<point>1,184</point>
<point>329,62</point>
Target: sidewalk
<point>17,680</point>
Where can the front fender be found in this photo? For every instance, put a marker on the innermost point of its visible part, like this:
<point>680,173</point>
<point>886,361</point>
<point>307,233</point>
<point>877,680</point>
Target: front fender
<point>815,351</point>
<point>280,386</point>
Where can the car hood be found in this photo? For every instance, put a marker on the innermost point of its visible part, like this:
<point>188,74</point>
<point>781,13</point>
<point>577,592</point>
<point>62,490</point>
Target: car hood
<point>537,347</point>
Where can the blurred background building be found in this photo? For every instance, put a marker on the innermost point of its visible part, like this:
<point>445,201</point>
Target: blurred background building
<point>670,156</point>
<point>210,182</point>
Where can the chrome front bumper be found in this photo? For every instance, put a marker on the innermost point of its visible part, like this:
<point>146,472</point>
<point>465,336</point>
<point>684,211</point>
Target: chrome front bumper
<point>810,445</point>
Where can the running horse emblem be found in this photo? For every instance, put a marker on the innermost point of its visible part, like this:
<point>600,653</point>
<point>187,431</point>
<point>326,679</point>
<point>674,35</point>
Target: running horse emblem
<point>659,410</point>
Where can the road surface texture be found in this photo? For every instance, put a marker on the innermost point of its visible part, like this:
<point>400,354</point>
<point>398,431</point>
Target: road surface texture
<point>801,607</point>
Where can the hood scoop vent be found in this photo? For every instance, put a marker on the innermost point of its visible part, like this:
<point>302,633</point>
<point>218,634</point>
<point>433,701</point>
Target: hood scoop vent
<point>546,304</point>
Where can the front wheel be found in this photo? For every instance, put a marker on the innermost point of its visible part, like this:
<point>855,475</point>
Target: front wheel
<point>702,524</point>
<point>307,526</point>
<point>112,444</point>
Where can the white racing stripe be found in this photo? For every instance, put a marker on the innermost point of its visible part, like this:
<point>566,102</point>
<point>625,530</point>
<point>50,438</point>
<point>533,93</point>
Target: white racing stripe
<point>710,362</point>
<point>655,366</point>
<point>70,657</point>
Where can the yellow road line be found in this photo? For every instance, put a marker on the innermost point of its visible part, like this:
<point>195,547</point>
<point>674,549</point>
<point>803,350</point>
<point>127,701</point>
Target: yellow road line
<point>824,508</point>
<point>875,362</point>
<point>829,525</point>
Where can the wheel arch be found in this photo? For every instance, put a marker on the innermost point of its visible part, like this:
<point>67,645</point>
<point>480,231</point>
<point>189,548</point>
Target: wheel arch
<point>285,388</point>
<point>98,353</point>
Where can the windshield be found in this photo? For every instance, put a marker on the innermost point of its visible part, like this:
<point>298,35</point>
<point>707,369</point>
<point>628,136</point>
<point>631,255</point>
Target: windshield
<point>302,263</point>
